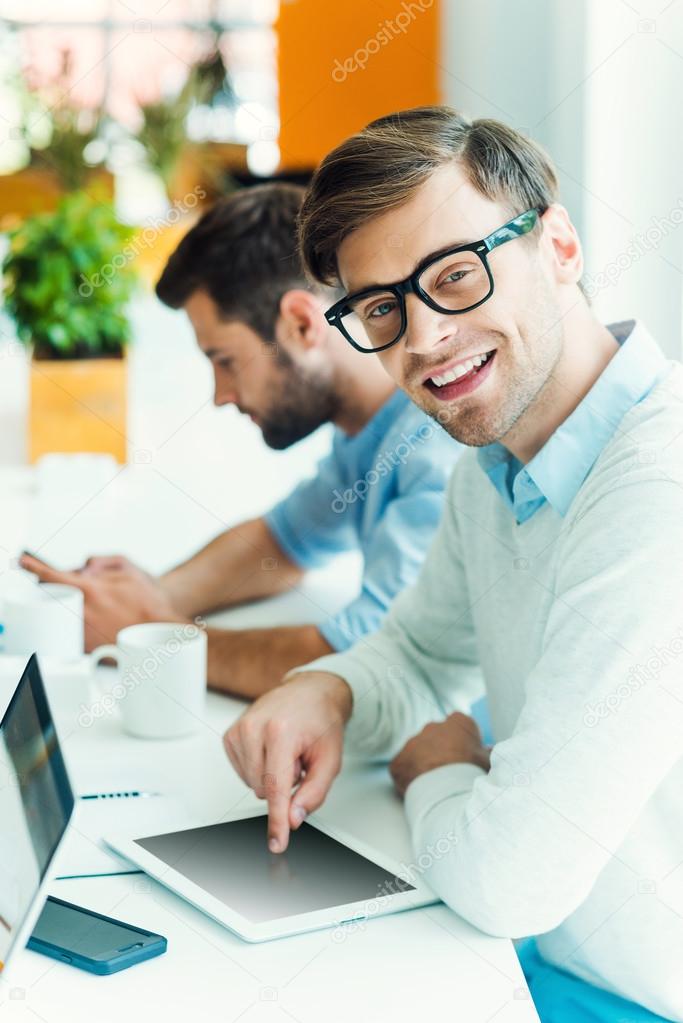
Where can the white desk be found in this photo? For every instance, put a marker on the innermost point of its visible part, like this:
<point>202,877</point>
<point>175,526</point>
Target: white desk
<point>393,968</point>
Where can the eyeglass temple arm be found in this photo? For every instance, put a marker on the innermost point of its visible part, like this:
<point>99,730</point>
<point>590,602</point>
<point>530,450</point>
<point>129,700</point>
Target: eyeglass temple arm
<point>514,228</point>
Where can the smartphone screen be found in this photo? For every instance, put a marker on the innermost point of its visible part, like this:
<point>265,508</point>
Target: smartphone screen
<point>78,932</point>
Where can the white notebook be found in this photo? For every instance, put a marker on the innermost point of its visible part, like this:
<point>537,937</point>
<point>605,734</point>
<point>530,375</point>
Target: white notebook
<point>84,854</point>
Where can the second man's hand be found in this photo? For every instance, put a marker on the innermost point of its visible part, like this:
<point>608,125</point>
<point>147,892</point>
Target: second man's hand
<point>292,739</point>
<point>117,593</point>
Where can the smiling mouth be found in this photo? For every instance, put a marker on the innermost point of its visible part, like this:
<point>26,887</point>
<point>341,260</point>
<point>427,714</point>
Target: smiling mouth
<point>461,379</point>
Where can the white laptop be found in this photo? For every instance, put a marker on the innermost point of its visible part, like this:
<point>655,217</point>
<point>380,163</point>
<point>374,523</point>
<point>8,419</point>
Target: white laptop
<point>36,804</point>
<point>324,879</point>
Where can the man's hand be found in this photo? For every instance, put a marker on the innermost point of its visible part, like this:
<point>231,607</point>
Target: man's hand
<point>292,736</point>
<point>116,594</point>
<point>113,562</point>
<point>456,740</point>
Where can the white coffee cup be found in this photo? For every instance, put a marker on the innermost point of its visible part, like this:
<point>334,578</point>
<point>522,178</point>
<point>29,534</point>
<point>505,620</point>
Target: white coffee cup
<point>46,619</point>
<point>161,688</point>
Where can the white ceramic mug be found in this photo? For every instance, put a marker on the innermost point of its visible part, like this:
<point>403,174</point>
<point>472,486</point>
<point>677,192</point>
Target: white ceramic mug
<point>161,688</point>
<point>46,619</point>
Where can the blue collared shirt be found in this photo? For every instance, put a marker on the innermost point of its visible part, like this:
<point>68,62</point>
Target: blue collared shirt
<point>380,491</point>
<point>558,470</point>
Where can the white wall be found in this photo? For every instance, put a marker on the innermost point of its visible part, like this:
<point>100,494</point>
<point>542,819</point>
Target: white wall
<point>520,62</point>
<point>600,85</point>
<point>635,163</point>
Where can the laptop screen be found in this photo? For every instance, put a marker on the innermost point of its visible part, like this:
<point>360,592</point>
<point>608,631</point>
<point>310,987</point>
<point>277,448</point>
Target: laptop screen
<point>36,801</point>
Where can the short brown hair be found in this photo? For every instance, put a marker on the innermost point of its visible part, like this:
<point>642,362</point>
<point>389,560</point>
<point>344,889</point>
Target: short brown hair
<point>382,166</point>
<point>243,252</point>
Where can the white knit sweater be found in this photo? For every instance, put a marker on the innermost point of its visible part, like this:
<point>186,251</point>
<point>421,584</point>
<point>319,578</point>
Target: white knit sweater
<point>576,625</point>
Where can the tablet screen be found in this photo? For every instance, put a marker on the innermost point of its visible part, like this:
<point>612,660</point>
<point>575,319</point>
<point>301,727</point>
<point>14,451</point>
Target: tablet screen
<point>231,861</point>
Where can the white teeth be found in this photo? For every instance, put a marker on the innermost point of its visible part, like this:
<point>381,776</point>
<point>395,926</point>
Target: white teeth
<point>459,371</point>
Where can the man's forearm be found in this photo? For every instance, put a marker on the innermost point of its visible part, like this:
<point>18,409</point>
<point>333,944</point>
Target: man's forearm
<point>244,563</point>
<point>249,662</point>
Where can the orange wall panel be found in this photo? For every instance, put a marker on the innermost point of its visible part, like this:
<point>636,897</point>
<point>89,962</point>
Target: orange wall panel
<point>343,63</point>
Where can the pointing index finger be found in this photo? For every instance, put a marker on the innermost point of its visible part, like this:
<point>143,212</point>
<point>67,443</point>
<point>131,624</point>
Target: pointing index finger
<point>46,573</point>
<point>278,781</point>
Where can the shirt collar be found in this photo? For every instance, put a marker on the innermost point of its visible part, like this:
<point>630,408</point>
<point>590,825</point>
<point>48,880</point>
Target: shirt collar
<point>556,473</point>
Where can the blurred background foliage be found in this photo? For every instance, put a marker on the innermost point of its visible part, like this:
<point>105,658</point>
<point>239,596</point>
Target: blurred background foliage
<point>68,279</point>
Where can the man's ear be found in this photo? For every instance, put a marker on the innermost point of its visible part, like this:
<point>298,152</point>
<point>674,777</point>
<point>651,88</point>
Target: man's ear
<point>564,247</point>
<point>302,319</point>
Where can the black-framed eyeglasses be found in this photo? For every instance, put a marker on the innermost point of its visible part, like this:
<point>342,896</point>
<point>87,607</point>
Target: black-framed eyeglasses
<point>453,281</point>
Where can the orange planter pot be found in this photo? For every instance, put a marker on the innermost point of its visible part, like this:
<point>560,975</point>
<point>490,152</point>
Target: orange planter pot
<point>36,190</point>
<point>78,405</point>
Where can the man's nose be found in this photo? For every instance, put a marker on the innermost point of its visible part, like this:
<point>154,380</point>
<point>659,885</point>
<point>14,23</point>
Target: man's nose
<point>224,395</point>
<point>426,328</point>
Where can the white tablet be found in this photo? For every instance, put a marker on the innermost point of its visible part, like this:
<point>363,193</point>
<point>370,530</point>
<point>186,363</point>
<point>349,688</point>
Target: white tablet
<point>322,880</point>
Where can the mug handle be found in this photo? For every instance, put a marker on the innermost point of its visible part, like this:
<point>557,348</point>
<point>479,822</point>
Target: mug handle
<point>100,652</point>
<point>94,658</point>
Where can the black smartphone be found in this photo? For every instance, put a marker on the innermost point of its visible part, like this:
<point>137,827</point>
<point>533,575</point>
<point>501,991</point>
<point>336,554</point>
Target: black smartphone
<point>93,942</point>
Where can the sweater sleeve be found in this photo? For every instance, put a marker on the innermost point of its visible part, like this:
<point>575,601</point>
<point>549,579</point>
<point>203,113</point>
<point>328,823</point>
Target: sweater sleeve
<point>422,663</point>
<point>600,728</point>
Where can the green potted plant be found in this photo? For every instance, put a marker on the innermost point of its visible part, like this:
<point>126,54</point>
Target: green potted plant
<point>68,277</point>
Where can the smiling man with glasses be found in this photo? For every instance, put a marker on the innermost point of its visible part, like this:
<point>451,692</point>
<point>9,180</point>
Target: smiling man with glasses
<point>555,574</point>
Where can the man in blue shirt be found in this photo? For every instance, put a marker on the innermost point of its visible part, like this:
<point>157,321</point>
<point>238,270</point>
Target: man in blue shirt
<point>238,276</point>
